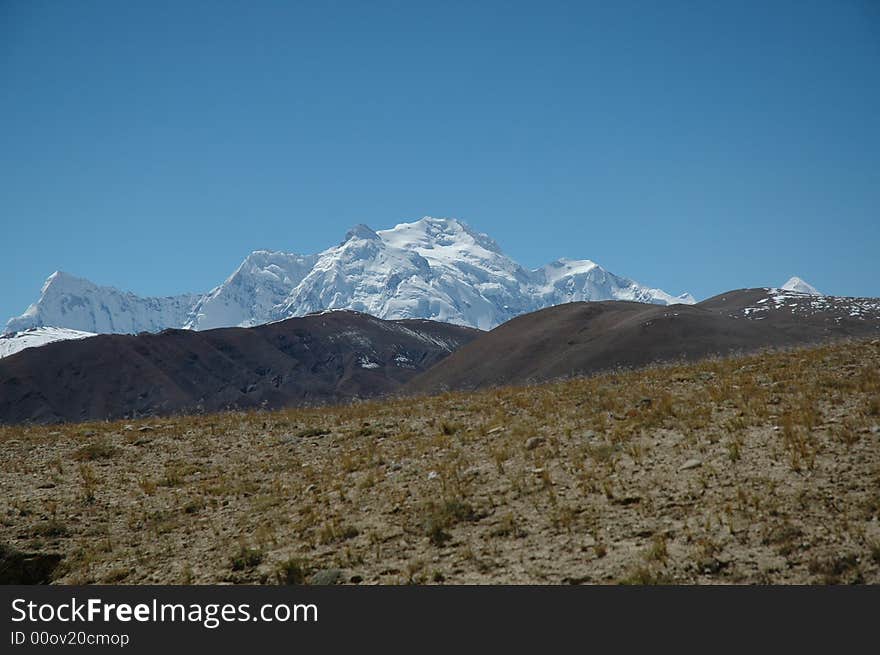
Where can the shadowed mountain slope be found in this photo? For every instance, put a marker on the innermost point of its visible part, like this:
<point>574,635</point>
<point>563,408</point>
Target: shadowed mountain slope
<point>327,357</point>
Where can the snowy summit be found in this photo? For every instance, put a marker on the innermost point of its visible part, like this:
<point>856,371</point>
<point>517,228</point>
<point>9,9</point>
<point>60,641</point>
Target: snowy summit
<point>799,286</point>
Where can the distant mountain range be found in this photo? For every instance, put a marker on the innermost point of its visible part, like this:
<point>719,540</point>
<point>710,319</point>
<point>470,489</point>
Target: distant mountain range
<point>340,355</point>
<point>435,268</point>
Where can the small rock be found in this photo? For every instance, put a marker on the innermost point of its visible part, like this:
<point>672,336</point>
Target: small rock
<point>326,577</point>
<point>128,427</point>
<point>534,442</point>
<point>433,475</point>
<point>690,464</point>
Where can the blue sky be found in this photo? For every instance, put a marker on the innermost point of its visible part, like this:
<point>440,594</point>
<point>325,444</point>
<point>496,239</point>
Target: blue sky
<point>697,146</point>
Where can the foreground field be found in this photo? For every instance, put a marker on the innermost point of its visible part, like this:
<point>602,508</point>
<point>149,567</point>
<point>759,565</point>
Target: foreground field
<point>761,469</point>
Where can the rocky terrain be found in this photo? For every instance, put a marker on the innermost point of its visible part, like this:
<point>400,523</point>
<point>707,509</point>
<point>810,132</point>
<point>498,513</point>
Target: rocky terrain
<point>756,469</point>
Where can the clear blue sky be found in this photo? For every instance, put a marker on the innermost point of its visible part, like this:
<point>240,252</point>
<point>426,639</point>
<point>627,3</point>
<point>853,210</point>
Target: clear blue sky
<point>695,146</point>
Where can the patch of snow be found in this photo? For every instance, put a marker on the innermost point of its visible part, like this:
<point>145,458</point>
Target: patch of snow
<point>14,342</point>
<point>805,304</point>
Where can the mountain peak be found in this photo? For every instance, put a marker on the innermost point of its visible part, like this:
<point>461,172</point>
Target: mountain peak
<point>68,301</point>
<point>63,280</point>
<point>800,286</point>
<point>360,231</point>
<point>430,232</point>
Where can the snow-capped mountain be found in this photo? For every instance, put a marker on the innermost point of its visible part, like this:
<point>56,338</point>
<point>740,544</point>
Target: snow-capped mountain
<point>250,295</point>
<point>798,285</point>
<point>433,268</point>
<point>443,270</point>
<point>567,280</point>
<point>71,302</point>
<point>13,342</point>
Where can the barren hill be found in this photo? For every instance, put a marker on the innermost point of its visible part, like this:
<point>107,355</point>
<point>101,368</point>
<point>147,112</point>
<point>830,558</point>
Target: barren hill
<point>327,357</point>
<point>582,338</point>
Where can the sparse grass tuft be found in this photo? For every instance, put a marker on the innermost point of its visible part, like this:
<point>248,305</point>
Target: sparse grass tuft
<point>94,451</point>
<point>292,571</point>
<point>246,558</point>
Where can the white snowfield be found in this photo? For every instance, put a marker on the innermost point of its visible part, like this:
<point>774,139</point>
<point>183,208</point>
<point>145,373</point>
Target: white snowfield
<point>433,268</point>
<point>13,342</point>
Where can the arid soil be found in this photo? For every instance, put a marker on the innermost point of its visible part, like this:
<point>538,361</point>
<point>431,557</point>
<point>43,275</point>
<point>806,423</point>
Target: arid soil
<point>760,469</point>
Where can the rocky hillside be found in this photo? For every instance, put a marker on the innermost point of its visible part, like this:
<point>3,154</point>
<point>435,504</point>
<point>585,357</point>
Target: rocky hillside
<point>760,469</point>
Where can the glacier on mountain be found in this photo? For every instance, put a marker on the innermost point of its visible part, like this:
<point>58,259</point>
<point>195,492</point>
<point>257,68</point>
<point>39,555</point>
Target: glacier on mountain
<point>433,268</point>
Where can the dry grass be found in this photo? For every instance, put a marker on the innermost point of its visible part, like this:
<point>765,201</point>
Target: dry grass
<point>782,484</point>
